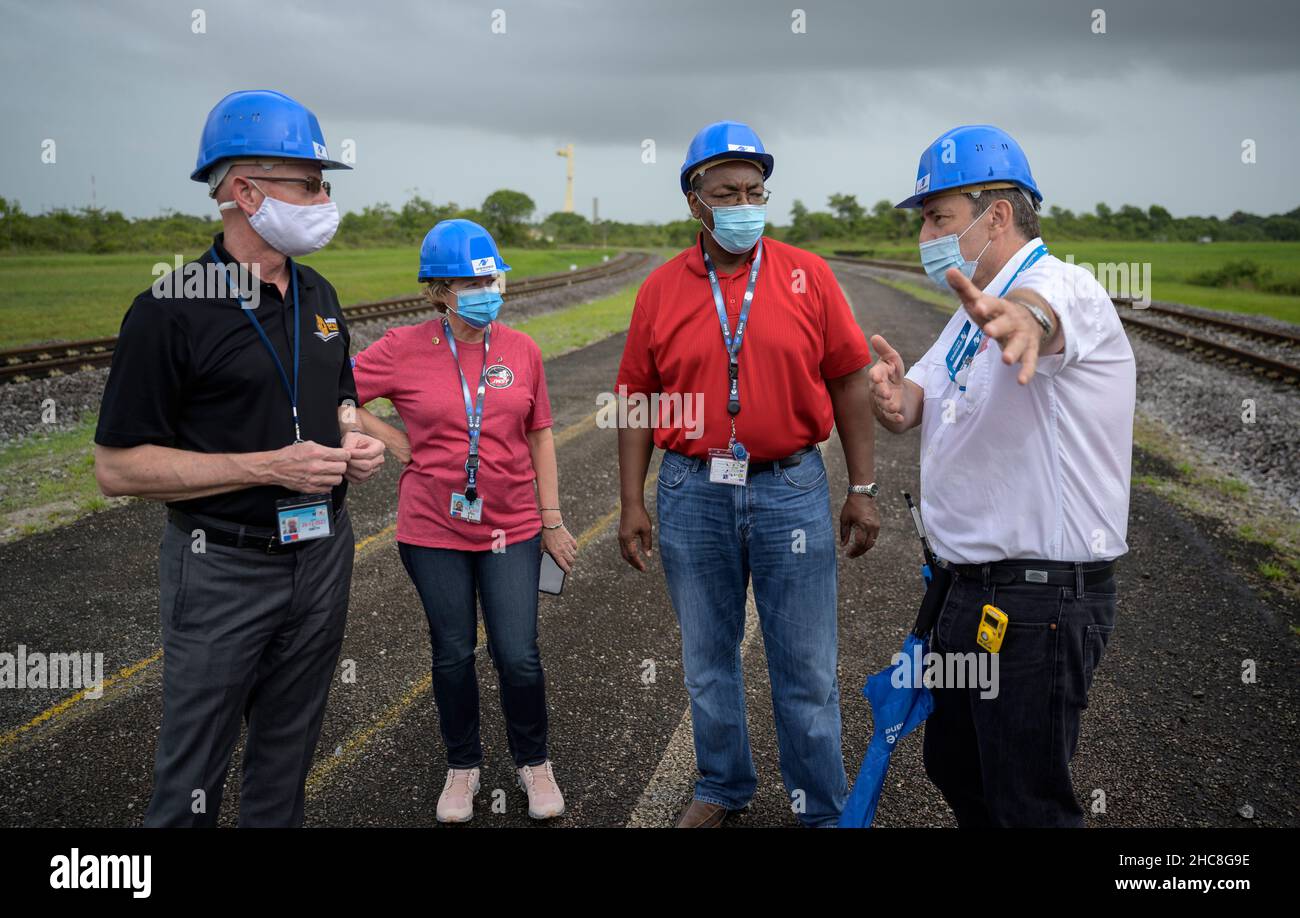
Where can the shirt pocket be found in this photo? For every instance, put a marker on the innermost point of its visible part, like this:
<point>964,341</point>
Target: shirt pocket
<point>979,380</point>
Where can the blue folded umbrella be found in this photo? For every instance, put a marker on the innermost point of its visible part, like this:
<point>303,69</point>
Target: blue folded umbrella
<point>900,702</point>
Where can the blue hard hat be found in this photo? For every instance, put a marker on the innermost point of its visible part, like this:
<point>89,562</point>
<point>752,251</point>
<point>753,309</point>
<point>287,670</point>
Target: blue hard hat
<point>459,248</point>
<point>260,122</point>
<point>724,140</point>
<point>976,155</point>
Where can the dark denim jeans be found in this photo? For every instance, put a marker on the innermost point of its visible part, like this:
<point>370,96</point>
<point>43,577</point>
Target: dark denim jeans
<point>449,581</point>
<point>777,530</point>
<point>1005,761</point>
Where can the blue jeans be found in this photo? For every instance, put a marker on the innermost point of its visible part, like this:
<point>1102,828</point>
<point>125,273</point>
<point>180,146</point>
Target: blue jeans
<point>1005,761</point>
<point>449,581</point>
<point>713,538</point>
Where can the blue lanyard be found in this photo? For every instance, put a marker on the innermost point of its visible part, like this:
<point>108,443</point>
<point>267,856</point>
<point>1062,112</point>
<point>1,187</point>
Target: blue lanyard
<point>733,344</point>
<point>473,410</point>
<point>291,391</point>
<point>959,356</point>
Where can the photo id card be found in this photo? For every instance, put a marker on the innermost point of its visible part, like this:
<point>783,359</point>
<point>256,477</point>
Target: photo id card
<point>725,468</point>
<point>468,510</point>
<point>305,517</point>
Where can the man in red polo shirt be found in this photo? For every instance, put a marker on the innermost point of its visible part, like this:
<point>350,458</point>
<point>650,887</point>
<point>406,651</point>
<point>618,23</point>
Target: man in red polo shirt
<point>756,337</point>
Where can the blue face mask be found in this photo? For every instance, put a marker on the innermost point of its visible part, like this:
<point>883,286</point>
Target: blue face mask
<point>478,306</point>
<point>938,255</point>
<point>739,227</point>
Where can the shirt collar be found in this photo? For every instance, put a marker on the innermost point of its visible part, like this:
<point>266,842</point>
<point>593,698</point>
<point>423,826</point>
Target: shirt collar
<point>1012,266</point>
<point>305,278</point>
<point>695,259</point>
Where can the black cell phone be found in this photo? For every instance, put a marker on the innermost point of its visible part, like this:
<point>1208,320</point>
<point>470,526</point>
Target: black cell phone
<point>551,579</point>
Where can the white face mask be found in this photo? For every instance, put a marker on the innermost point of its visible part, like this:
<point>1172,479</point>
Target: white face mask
<point>292,229</point>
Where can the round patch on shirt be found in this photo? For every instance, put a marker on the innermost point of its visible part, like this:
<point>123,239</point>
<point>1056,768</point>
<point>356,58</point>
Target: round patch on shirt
<point>499,376</point>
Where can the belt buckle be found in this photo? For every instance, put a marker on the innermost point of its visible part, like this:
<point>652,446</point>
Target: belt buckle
<point>1033,576</point>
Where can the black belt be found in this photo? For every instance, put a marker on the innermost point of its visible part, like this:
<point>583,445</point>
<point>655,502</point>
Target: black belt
<point>775,465</point>
<point>1039,573</point>
<point>252,538</point>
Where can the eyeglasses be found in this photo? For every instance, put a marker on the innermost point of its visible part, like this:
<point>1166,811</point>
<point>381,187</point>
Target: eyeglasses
<point>313,184</point>
<point>735,198</point>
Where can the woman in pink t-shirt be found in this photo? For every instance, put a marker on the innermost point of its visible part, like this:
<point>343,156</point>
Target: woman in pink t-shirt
<point>469,535</point>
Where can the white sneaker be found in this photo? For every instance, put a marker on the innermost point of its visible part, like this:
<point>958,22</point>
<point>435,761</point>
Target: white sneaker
<point>456,803</point>
<point>544,798</point>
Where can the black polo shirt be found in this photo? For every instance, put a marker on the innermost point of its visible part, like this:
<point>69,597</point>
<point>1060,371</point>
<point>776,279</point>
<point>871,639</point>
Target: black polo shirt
<point>191,372</point>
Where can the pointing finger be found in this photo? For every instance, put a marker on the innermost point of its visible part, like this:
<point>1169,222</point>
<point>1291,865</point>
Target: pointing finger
<point>962,286</point>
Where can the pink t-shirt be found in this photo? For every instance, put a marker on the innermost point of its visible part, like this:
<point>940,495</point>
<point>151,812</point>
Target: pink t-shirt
<point>418,376</point>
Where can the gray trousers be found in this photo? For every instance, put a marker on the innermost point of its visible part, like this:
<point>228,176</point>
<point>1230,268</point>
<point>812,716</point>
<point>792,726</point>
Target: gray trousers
<point>246,636</point>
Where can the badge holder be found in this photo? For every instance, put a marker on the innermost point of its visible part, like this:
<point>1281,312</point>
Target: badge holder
<point>468,506</point>
<point>730,466</point>
<point>304,517</point>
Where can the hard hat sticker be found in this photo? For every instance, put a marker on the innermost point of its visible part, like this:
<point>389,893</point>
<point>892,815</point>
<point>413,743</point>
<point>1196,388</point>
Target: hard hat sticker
<point>741,148</point>
<point>486,265</point>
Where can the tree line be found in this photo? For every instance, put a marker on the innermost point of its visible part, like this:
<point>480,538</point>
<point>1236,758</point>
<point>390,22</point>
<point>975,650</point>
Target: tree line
<point>508,215</point>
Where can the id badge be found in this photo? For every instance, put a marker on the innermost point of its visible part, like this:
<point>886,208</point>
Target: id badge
<point>305,517</point>
<point>725,468</point>
<point>469,510</point>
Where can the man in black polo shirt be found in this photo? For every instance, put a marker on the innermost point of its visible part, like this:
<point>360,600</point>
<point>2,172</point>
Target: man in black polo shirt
<point>229,399</point>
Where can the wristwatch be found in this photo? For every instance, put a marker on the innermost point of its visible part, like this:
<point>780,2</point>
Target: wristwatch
<point>1040,317</point>
<point>868,489</point>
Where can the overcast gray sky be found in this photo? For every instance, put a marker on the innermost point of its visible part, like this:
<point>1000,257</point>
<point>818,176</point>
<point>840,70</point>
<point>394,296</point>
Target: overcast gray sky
<point>1153,111</point>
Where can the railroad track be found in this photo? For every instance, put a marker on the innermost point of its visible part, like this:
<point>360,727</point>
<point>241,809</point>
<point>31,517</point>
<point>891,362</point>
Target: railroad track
<point>1194,341</point>
<point>38,361</point>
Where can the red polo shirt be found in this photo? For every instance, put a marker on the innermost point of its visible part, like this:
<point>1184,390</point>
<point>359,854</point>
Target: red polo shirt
<point>801,332</point>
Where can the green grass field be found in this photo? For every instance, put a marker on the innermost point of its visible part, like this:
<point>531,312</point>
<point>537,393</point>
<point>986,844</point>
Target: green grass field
<point>1172,264</point>
<point>49,480</point>
<point>63,297</point>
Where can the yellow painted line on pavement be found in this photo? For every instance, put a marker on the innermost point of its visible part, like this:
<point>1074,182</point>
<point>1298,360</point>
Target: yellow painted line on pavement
<point>128,672</point>
<point>113,681</point>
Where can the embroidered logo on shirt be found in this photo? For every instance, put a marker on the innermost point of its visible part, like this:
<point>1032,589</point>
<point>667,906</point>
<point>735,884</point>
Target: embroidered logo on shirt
<point>327,329</point>
<point>499,376</point>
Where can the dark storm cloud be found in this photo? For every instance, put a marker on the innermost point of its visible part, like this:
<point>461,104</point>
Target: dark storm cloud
<point>124,87</point>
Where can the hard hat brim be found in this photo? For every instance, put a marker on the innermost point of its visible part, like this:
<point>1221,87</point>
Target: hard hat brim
<point>763,160</point>
<point>201,175</point>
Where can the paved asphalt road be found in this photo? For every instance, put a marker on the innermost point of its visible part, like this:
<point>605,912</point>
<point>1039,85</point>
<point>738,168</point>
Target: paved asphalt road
<point>1173,737</point>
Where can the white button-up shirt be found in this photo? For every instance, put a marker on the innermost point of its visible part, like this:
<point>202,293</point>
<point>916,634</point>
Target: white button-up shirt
<point>1040,470</point>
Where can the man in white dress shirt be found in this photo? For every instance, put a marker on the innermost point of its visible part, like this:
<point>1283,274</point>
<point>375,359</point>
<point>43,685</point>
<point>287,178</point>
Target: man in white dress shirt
<point>1025,403</point>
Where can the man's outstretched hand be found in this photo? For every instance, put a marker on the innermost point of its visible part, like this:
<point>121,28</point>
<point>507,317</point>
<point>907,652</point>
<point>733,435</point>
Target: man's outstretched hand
<point>1008,323</point>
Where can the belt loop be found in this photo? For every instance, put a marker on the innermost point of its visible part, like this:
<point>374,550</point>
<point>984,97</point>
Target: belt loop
<point>984,572</point>
<point>1078,580</point>
<point>239,539</point>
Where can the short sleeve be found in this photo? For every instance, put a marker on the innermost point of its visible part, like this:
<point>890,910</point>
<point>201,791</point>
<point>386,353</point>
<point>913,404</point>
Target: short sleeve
<point>347,380</point>
<point>143,395</point>
<point>637,370</point>
<point>374,370</point>
<point>1083,306</point>
<point>844,348</point>
<point>540,415</point>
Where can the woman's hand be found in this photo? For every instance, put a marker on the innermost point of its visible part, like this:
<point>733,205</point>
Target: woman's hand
<point>562,546</point>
